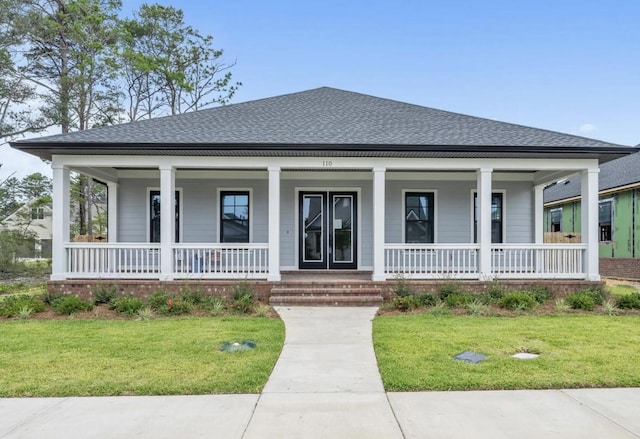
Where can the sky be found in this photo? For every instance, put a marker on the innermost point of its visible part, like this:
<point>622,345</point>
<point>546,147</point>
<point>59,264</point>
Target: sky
<point>565,65</point>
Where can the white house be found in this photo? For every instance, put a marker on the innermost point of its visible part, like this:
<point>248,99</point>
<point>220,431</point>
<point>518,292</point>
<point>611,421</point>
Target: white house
<point>324,179</point>
<point>36,220</point>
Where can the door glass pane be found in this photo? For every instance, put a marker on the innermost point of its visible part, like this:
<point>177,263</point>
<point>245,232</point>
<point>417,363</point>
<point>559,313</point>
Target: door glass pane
<point>342,228</point>
<point>312,211</point>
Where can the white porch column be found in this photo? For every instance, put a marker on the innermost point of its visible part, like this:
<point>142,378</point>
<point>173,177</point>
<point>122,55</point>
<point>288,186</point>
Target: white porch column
<point>167,220</point>
<point>590,220</point>
<point>378,223</point>
<point>60,220</point>
<point>274,224</point>
<point>112,209</point>
<point>484,223</point>
<point>538,223</point>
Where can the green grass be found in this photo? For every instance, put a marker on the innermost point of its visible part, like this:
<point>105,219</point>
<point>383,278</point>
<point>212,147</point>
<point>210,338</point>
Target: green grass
<point>125,357</point>
<point>415,352</point>
<point>622,289</point>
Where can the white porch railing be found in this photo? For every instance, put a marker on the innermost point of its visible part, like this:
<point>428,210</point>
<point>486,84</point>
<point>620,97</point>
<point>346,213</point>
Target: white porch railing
<point>217,261</point>
<point>117,260</point>
<point>428,261</point>
<point>523,261</point>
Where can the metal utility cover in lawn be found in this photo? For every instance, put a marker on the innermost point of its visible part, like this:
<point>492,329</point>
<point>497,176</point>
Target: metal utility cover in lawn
<point>245,345</point>
<point>470,357</point>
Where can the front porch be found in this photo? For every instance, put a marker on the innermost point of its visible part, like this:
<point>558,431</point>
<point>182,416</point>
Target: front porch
<point>251,261</point>
<point>476,219</point>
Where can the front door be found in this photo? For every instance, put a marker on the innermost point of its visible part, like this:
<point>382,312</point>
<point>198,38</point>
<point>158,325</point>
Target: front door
<point>328,230</point>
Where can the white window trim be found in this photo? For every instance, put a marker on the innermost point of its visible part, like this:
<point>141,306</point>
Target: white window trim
<point>504,213</point>
<point>435,212</point>
<point>219,211</point>
<point>148,216</point>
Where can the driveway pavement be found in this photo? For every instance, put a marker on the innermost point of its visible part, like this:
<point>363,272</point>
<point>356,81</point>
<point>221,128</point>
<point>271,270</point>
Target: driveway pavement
<point>326,385</point>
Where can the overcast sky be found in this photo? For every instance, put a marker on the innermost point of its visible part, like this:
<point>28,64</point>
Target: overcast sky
<point>564,65</point>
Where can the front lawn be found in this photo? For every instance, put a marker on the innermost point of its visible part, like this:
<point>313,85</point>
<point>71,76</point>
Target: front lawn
<point>131,357</point>
<point>415,351</point>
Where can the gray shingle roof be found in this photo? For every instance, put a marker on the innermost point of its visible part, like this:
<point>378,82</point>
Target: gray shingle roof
<point>318,118</point>
<point>616,173</point>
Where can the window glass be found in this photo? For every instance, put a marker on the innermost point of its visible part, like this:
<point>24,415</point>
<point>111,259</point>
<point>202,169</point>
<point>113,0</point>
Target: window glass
<point>556,220</point>
<point>154,216</point>
<point>234,221</point>
<point>605,216</point>
<point>419,215</point>
<point>496,217</point>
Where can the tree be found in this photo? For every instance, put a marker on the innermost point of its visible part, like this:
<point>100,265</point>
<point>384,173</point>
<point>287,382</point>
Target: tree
<point>16,117</point>
<point>169,67</point>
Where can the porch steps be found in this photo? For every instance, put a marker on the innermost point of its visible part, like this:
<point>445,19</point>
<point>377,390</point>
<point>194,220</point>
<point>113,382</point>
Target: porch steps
<point>325,294</point>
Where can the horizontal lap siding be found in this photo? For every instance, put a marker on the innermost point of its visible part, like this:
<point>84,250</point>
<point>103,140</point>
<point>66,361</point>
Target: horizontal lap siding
<point>200,210</point>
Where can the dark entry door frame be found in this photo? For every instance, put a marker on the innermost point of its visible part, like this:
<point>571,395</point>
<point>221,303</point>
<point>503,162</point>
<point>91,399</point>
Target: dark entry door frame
<point>327,229</point>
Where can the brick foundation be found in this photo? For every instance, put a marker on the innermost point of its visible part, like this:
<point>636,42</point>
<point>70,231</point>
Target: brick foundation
<point>262,289</point>
<point>622,268</point>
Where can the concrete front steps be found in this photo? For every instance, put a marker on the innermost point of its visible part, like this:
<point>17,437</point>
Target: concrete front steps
<point>325,294</point>
<point>326,288</point>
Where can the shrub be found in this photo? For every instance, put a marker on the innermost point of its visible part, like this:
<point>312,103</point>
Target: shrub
<point>70,305</point>
<point>242,289</point>
<point>540,294</point>
<point>145,313</point>
<point>447,289</point>
<point>517,301</point>
<point>11,306</point>
<point>629,301</point>
<point>159,299</point>
<point>243,303</point>
<point>405,303</point>
<point>580,300</point>
<point>426,299</point>
<point>598,295</point>
<point>176,307</point>
<point>477,308</point>
<point>455,300</point>
<point>261,310</point>
<point>562,306</point>
<point>193,297</point>
<point>440,310</point>
<point>129,305</point>
<point>215,305</point>
<point>104,293</point>
<point>401,288</point>
<point>496,290</point>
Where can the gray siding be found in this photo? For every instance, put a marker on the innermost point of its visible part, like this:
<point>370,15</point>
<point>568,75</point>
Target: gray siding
<point>200,210</point>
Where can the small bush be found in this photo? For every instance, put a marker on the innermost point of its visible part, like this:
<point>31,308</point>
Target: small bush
<point>70,305</point>
<point>402,289</point>
<point>243,303</point>
<point>517,301</point>
<point>11,306</point>
<point>497,290</point>
<point>48,297</point>
<point>477,308</point>
<point>193,297</point>
<point>129,305</point>
<point>598,295</point>
<point>581,300</point>
<point>104,293</point>
<point>404,303</point>
<point>609,308</point>
<point>159,299</point>
<point>176,307</point>
<point>242,289</point>
<point>455,300</point>
<point>449,288</point>
<point>540,294</point>
<point>261,310</point>
<point>145,313</point>
<point>440,310</point>
<point>562,305</point>
<point>629,301</point>
<point>215,305</point>
<point>426,299</point>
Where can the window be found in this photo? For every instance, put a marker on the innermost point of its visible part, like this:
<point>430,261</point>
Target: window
<point>497,215</point>
<point>154,216</point>
<point>37,213</point>
<point>419,217</point>
<point>234,216</point>
<point>605,216</point>
<point>555,217</point>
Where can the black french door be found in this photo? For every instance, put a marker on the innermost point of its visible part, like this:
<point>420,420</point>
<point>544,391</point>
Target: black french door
<point>327,230</point>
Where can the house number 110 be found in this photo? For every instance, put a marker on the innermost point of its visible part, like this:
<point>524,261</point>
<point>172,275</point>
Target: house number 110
<point>327,163</point>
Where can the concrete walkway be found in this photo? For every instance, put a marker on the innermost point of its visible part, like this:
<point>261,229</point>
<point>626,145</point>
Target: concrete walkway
<point>326,385</point>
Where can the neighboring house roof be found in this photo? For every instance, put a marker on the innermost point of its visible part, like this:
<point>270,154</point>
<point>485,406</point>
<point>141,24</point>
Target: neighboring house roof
<point>322,121</point>
<point>617,173</point>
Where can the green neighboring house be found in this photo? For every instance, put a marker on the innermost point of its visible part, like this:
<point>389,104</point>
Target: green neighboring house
<point>619,215</point>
